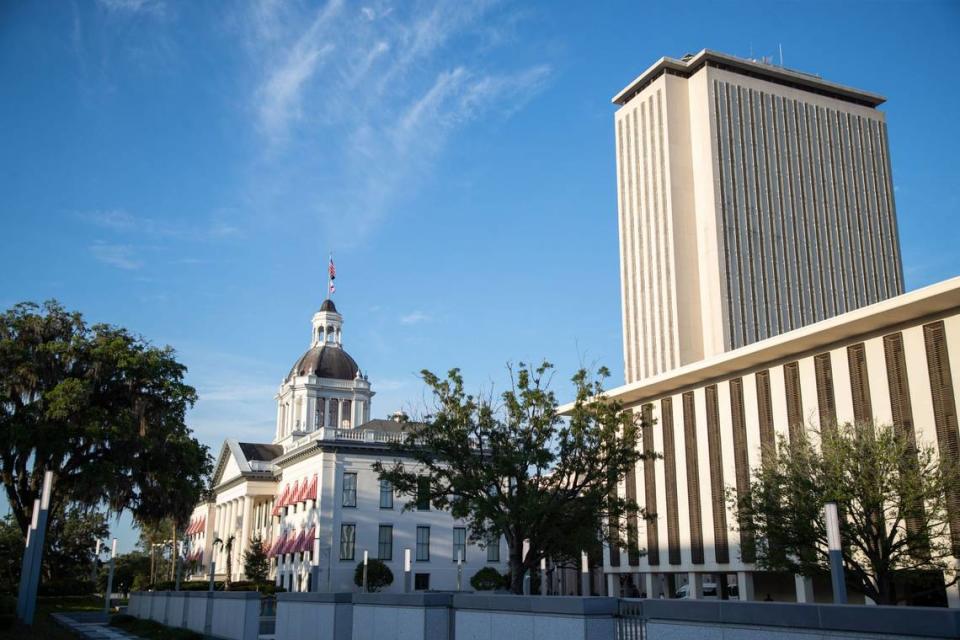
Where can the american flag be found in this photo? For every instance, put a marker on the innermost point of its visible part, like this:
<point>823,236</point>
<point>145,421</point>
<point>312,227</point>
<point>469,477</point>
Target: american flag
<point>332,271</point>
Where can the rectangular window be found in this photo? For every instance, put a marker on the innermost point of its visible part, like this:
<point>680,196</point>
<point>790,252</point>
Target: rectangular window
<point>386,494</point>
<point>459,543</point>
<point>421,582</point>
<point>633,550</point>
<point>670,476</point>
<point>385,542</point>
<point>860,384</point>
<point>791,379</point>
<point>717,497</point>
<point>902,411</point>
<point>741,464</point>
<point>493,550</point>
<point>944,414</point>
<point>349,489</point>
<point>650,485</point>
<point>693,478</point>
<point>423,544</point>
<point>348,541</point>
<point>423,494</point>
<point>826,399</point>
<point>768,440</point>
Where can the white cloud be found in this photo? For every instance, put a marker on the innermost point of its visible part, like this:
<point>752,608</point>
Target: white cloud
<point>415,317</point>
<point>116,255</point>
<point>356,107</point>
<point>155,8</point>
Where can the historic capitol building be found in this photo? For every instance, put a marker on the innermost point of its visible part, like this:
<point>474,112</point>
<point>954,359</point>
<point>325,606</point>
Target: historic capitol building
<point>311,496</point>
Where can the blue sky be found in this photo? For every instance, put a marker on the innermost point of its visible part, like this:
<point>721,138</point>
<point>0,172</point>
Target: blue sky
<point>183,169</point>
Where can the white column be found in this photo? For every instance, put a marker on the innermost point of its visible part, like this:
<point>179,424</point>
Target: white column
<point>953,593</point>
<point>613,588</point>
<point>648,585</point>
<point>695,585</point>
<point>804,587</point>
<point>219,533</point>
<point>339,414</point>
<point>246,525</point>
<point>745,586</point>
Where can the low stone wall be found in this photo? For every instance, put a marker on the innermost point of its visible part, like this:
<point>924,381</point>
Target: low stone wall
<point>402,616</point>
<point>500,617</point>
<point>321,616</point>
<point>448,616</point>
<point>731,620</point>
<point>231,615</point>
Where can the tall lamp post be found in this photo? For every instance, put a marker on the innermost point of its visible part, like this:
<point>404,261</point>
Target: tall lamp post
<point>832,521</point>
<point>109,593</point>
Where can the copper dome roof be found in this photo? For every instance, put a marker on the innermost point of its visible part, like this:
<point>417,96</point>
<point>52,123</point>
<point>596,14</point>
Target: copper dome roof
<point>326,362</point>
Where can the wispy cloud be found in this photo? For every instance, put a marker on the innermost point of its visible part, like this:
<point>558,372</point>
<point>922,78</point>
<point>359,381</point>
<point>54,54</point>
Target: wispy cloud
<point>155,8</point>
<point>121,221</point>
<point>355,105</point>
<point>415,317</point>
<point>121,256</point>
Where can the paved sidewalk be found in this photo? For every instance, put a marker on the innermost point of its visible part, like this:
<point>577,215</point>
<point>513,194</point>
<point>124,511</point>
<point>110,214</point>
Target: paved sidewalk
<point>91,625</point>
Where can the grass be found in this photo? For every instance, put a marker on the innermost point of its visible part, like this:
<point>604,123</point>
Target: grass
<point>44,626</point>
<point>151,630</point>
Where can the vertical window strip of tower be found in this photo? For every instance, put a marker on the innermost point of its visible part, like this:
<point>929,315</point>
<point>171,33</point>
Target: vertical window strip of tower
<point>944,413</point>
<point>717,488</point>
<point>693,478</point>
<point>670,478</point>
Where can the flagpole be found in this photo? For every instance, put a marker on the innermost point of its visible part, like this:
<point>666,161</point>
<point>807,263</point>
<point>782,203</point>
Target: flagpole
<point>328,274</point>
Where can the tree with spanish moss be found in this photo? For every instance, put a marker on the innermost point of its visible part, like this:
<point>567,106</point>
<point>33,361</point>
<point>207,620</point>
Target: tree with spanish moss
<point>103,409</point>
<point>518,469</point>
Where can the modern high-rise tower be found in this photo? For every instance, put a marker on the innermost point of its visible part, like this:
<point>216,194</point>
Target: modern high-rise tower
<point>753,200</point>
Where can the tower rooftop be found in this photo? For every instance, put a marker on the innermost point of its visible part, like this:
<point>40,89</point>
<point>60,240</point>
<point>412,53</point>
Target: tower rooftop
<point>689,65</point>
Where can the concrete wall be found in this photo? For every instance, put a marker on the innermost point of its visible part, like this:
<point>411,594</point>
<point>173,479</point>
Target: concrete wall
<point>414,616</point>
<point>323,616</point>
<point>499,617</point>
<point>726,620</point>
<point>230,615</point>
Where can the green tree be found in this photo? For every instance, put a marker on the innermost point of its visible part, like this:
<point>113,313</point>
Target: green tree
<point>379,575</point>
<point>891,493</point>
<point>69,545</point>
<point>256,563</point>
<point>100,407</point>
<point>128,569</point>
<point>520,469</point>
<point>488,579</point>
<point>227,546</point>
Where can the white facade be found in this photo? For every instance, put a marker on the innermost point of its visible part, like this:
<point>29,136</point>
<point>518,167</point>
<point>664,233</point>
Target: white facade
<point>753,200</point>
<point>761,293</point>
<point>895,362</point>
<point>312,497</point>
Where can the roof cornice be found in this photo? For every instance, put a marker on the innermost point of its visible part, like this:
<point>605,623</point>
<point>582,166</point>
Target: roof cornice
<point>769,72</point>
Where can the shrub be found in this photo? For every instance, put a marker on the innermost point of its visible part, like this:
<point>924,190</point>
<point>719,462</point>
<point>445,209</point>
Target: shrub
<point>66,587</point>
<point>489,579</point>
<point>378,575</point>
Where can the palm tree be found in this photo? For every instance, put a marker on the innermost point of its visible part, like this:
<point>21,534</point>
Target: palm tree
<point>228,547</point>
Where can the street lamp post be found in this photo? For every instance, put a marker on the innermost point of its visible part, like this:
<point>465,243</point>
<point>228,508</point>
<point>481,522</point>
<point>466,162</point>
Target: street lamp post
<point>109,593</point>
<point>832,521</point>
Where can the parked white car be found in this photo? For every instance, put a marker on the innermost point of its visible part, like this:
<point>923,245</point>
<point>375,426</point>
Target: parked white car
<point>711,591</point>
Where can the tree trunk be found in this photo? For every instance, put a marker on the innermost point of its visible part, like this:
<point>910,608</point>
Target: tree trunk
<point>516,570</point>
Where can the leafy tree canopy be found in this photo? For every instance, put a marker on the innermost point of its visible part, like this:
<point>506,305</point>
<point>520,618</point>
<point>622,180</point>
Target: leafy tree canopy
<point>256,563</point>
<point>519,469</point>
<point>101,408</point>
<point>379,575</point>
<point>891,494</point>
